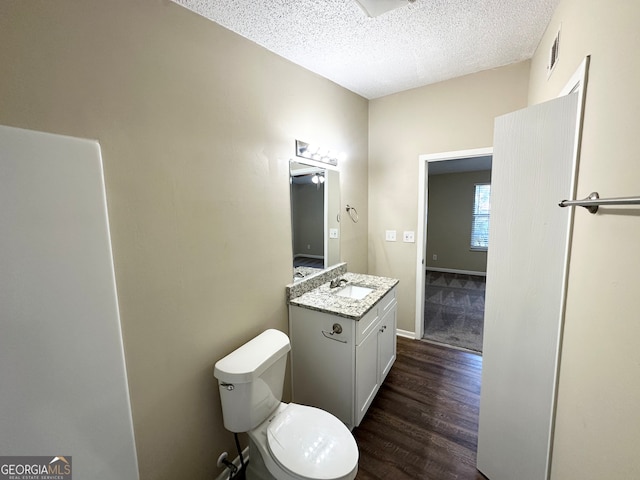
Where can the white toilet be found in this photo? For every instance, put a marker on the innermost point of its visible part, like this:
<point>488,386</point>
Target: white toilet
<point>286,441</point>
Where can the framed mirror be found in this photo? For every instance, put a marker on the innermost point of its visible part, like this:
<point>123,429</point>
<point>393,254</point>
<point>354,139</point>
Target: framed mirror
<point>315,220</point>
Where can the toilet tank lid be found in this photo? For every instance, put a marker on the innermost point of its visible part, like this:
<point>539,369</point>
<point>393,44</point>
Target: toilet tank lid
<point>250,360</point>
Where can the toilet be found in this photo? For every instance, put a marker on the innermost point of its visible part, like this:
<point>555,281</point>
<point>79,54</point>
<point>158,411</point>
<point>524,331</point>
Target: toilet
<point>286,441</point>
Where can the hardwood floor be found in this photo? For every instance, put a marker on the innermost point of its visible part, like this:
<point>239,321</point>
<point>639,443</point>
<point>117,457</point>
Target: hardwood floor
<point>423,424</point>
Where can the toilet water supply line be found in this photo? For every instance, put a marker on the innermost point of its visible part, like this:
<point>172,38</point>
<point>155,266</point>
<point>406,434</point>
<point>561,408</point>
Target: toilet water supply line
<point>239,451</point>
<point>223,460</point>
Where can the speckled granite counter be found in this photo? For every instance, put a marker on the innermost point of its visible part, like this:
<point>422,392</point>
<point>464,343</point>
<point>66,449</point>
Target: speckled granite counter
<point>311,282</point>
<point>322,298</point>
<point>301,272</point>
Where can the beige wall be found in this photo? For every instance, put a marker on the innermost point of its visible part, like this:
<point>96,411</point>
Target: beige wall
<point>449,116</point>
<point>449,218</point>
<point>597,424</point>
<point>196,126</point>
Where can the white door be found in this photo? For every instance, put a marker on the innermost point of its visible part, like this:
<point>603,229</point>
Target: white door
<point>533,169</point>
<point>62,372</point>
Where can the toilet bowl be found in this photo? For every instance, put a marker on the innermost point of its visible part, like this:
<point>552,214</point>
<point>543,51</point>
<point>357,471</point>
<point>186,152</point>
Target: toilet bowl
<point>301,442</point>
<point>286,441</point>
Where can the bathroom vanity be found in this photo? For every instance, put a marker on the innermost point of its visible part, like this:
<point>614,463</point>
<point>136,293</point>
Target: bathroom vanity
<point>343,342</point>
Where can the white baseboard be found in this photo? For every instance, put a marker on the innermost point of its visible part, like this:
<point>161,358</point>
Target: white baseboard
<point>236,461</point>
<point>405,334</point>
<point>453,270</point>
<point>304,255</point>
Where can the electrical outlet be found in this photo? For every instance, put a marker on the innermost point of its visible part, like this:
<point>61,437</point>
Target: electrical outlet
<point>409,237</point>
<point>333,233</point>
<point>390,235</point>
<point>435,257</point>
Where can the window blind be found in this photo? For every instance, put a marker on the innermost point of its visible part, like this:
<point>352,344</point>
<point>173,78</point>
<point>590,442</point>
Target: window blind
<point>480,218</point>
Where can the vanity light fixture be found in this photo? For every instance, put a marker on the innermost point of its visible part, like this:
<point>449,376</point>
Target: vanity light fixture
<point>317,178</point>
<point>319,154</point>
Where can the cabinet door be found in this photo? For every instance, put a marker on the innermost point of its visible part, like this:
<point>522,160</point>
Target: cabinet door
<point>322,364</point>
<point>366,374</point>
<point>387,342</point>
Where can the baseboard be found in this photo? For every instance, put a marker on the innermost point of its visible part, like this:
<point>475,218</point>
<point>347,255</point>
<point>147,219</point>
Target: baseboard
<point>453,270</point>
<point>236,461</point>
<point>405,334</point>
<point>304,255</point>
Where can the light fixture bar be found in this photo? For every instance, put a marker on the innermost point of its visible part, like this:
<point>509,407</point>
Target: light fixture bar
<point>312,152</point>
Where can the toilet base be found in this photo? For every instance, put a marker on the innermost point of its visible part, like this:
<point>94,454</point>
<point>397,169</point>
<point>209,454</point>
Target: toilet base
<point>256,469</point>
<point>259,456</point>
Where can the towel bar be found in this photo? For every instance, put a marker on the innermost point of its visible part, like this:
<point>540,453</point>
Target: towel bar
<point>592,202</point>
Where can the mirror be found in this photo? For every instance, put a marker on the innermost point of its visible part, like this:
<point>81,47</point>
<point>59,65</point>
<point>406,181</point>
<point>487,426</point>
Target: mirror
<point>315,222</point>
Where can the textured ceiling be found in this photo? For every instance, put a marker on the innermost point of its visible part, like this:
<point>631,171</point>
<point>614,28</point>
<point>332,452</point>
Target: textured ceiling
<point>414,45</point>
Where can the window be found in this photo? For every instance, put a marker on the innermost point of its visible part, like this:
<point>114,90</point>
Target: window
<point>480,218</point>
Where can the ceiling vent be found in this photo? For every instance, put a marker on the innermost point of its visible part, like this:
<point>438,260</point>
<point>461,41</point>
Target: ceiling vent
<point>554,53</point>
<point>373,8</point>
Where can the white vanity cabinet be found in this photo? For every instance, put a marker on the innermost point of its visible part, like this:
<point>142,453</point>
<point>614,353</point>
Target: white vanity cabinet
<point>338,363</point>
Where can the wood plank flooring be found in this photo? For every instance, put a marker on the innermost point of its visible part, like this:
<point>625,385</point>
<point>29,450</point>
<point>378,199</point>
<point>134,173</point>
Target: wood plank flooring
<point>423,424</point>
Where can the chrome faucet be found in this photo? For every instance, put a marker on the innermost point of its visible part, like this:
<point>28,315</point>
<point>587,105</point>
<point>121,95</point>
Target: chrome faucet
<point>337,282</point>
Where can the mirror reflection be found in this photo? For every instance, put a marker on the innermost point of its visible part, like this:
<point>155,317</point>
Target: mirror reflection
<point>315,224</point>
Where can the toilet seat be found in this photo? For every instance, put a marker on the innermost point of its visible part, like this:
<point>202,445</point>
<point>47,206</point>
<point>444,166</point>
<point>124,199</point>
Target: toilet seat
<point>311,443</point>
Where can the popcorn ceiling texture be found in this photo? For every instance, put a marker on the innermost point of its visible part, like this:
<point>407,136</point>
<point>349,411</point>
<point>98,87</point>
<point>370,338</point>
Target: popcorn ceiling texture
<point>414,45</point>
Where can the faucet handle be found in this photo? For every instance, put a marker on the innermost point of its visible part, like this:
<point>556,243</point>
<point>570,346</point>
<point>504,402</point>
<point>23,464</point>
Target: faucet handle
<point>336,282</point>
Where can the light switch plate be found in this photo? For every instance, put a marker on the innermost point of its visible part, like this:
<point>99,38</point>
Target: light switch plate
<point>409,237</point>
<point>333,233</point>
<point>390,235</point>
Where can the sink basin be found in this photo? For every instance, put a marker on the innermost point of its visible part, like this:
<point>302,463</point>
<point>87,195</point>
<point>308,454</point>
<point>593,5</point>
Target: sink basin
<point>354,291</point>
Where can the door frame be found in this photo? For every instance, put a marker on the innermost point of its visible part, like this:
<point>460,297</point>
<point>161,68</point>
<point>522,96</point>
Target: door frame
<point>577,82</point>
<point>421,235</point>
<point>492,458</point>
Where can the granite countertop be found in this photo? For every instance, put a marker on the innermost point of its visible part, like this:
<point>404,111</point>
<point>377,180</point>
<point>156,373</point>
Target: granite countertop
<point>324,299</point>
<point>302,272</point>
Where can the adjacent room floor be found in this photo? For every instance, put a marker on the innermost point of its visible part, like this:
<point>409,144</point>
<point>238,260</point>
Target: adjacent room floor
<point>454,309</point>
<point>423,424</point>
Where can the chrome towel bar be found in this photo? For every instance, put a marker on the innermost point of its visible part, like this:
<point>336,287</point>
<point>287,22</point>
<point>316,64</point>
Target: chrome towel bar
<point>592,202</point>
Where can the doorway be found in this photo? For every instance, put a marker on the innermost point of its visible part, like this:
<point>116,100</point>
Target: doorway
<point>451,273</point>
<point>458,213</point>
<point>520,365</point>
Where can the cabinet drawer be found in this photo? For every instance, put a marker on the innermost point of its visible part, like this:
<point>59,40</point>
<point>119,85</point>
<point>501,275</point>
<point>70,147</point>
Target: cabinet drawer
<point>387,302</point>
<point>366,324</point>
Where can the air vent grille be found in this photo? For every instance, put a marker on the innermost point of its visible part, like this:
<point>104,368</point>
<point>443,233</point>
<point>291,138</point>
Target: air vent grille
<point>554,54</point>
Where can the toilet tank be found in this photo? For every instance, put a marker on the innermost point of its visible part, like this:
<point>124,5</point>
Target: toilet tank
<point>251,379</point>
